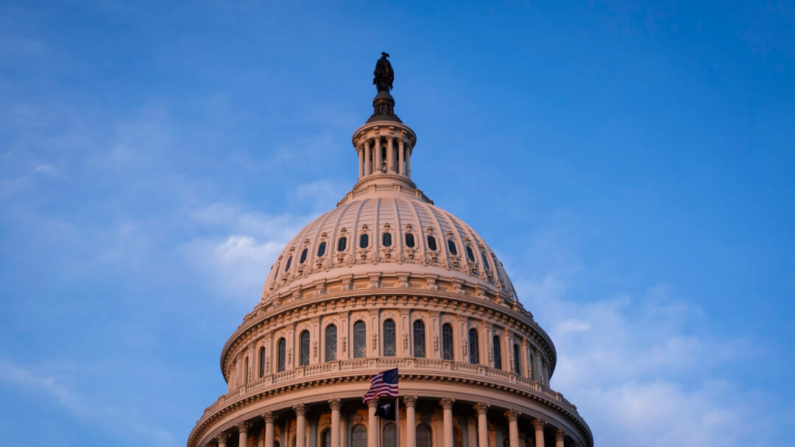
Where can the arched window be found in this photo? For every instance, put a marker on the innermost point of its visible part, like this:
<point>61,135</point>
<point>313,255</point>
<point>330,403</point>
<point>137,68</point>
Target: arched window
<point>304,348</point>
<point>342,243</point>
<point>517,359</point>
<point>474,351</point>
<point>431,243</point>
<point>386,239</point>
<point>458,440</point>
<point>331,343</point>
<point>419,339</point>
<point>497,348</point>
<point>470,254</point>
<point>325,438</point>
<point>303,255</point>
<point>282,354</point>
<point>358,436</point>
<point>409,240</point>
<point>447,341</point>
<point>276,275</point>
<point>359,340</point>
<point>364,241</point>
<point>390,435</point>
<point>451,246</point>
<point>485,261</point>
<point>321,249</point>
<point>423,435</point>
<point>390,339</point>
<point>262,362</point>
<point>289,261</point>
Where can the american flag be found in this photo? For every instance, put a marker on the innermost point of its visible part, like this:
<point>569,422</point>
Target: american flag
<point>383,384</point>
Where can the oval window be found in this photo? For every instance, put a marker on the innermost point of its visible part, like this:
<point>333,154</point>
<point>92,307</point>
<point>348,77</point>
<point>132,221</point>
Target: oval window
<point>303,255</point>
<point>386,239</point>
<point>431,243</point>
<point>321,249</point>
<point>470,255</point>
<point>451,247</point>
<point>409,240</point>
<point>364,241</point>
<point>342,243</point>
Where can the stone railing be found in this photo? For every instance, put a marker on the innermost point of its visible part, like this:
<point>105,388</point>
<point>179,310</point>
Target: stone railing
<point>381,188</point>
<point>408,366</point>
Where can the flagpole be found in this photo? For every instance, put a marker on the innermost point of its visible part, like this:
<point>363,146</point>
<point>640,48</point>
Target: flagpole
<point>397,419</point>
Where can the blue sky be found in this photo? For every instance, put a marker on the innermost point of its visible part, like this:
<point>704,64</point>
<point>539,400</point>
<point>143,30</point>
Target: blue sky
<point>630,162</point>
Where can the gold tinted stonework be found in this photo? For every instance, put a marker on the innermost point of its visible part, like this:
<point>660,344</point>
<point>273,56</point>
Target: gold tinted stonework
<point>444,274</point>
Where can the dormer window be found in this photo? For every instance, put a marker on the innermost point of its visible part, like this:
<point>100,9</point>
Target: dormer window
<point>342,244</point>
<point>364,241</point>
<point>321,249</point>
<point>485,261</point>
<point>386,239</point>
<point>409,240</point>
<point>431,243</point>
<point>289,261</point>
<point>451,246</point>
<point>470,254</point>
<point>303,255</point>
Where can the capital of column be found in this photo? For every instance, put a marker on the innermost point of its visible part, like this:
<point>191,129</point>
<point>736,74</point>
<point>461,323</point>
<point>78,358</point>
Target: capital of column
<point>539,424</point>
<point>447,403</point>
<point>268,416</point>
<point>560,435</point>
<point>243,427</point>
<point>482,408</point>
<point>223,436</point>
<point>410,401</point>
<point>373,403</point>
<point>472,420</point>
<point>335,403</point>
<point>300,409</point>
<point>512,415</point>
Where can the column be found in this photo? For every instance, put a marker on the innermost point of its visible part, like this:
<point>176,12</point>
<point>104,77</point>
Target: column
<point>472,431</point>
<point>261,437</point>
<point>300,426</point>
<point>361,161</point>
<point>483,425</point>
<point>560,436</point>
<point>335,404</point>
<point>367,154</point>
<point>390,153</point>
<point>243,429</point>
<point>372,424</point>
<point>222,437</point>
<point>513,428</point>
<point>268,416</point>
<point>408,162</point>
<point>447,407</point>
<point>411,420</point>
<point>377,158</point>
<point>401,158</point>
<point>539,424</point>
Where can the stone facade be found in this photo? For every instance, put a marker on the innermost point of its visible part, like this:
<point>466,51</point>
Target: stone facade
<point>389,280</point>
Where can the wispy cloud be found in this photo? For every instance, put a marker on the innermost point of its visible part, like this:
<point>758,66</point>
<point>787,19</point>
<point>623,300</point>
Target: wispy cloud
<point>643,370</point>
<point>25,380</point>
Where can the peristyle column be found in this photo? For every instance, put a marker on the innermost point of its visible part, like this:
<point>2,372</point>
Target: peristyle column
<point>300,426</point>
<point>268,416</point>
<point>513,427</point>
<point>390,153</point>
<point>539,424</point>
<point>401,158</point>
<point>472,431</point>
<point>243,429</point>
<point>447,407</point>
<point>411,420</point>
<point>560,436</point>
<point>377,158</point>
<point>361,161</point>
<point>483,425</point>
<point>221,438</point>
<point>372,429</point>
<point>335,404</point>
<point>367,154</point>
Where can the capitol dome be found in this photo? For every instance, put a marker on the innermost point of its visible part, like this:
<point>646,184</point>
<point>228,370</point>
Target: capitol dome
<point>388,280</point>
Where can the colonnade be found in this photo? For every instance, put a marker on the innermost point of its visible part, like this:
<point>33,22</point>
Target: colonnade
<point>372,161</point>
<point>479,431</point>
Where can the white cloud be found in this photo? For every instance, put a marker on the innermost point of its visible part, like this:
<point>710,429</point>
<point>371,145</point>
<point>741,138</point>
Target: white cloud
<point>644,370</point>
<point>46,169</point>
<point>108,418</point>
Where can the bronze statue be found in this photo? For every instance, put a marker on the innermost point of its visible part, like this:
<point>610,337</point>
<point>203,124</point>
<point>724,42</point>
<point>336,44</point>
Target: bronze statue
<point>384,75</point>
